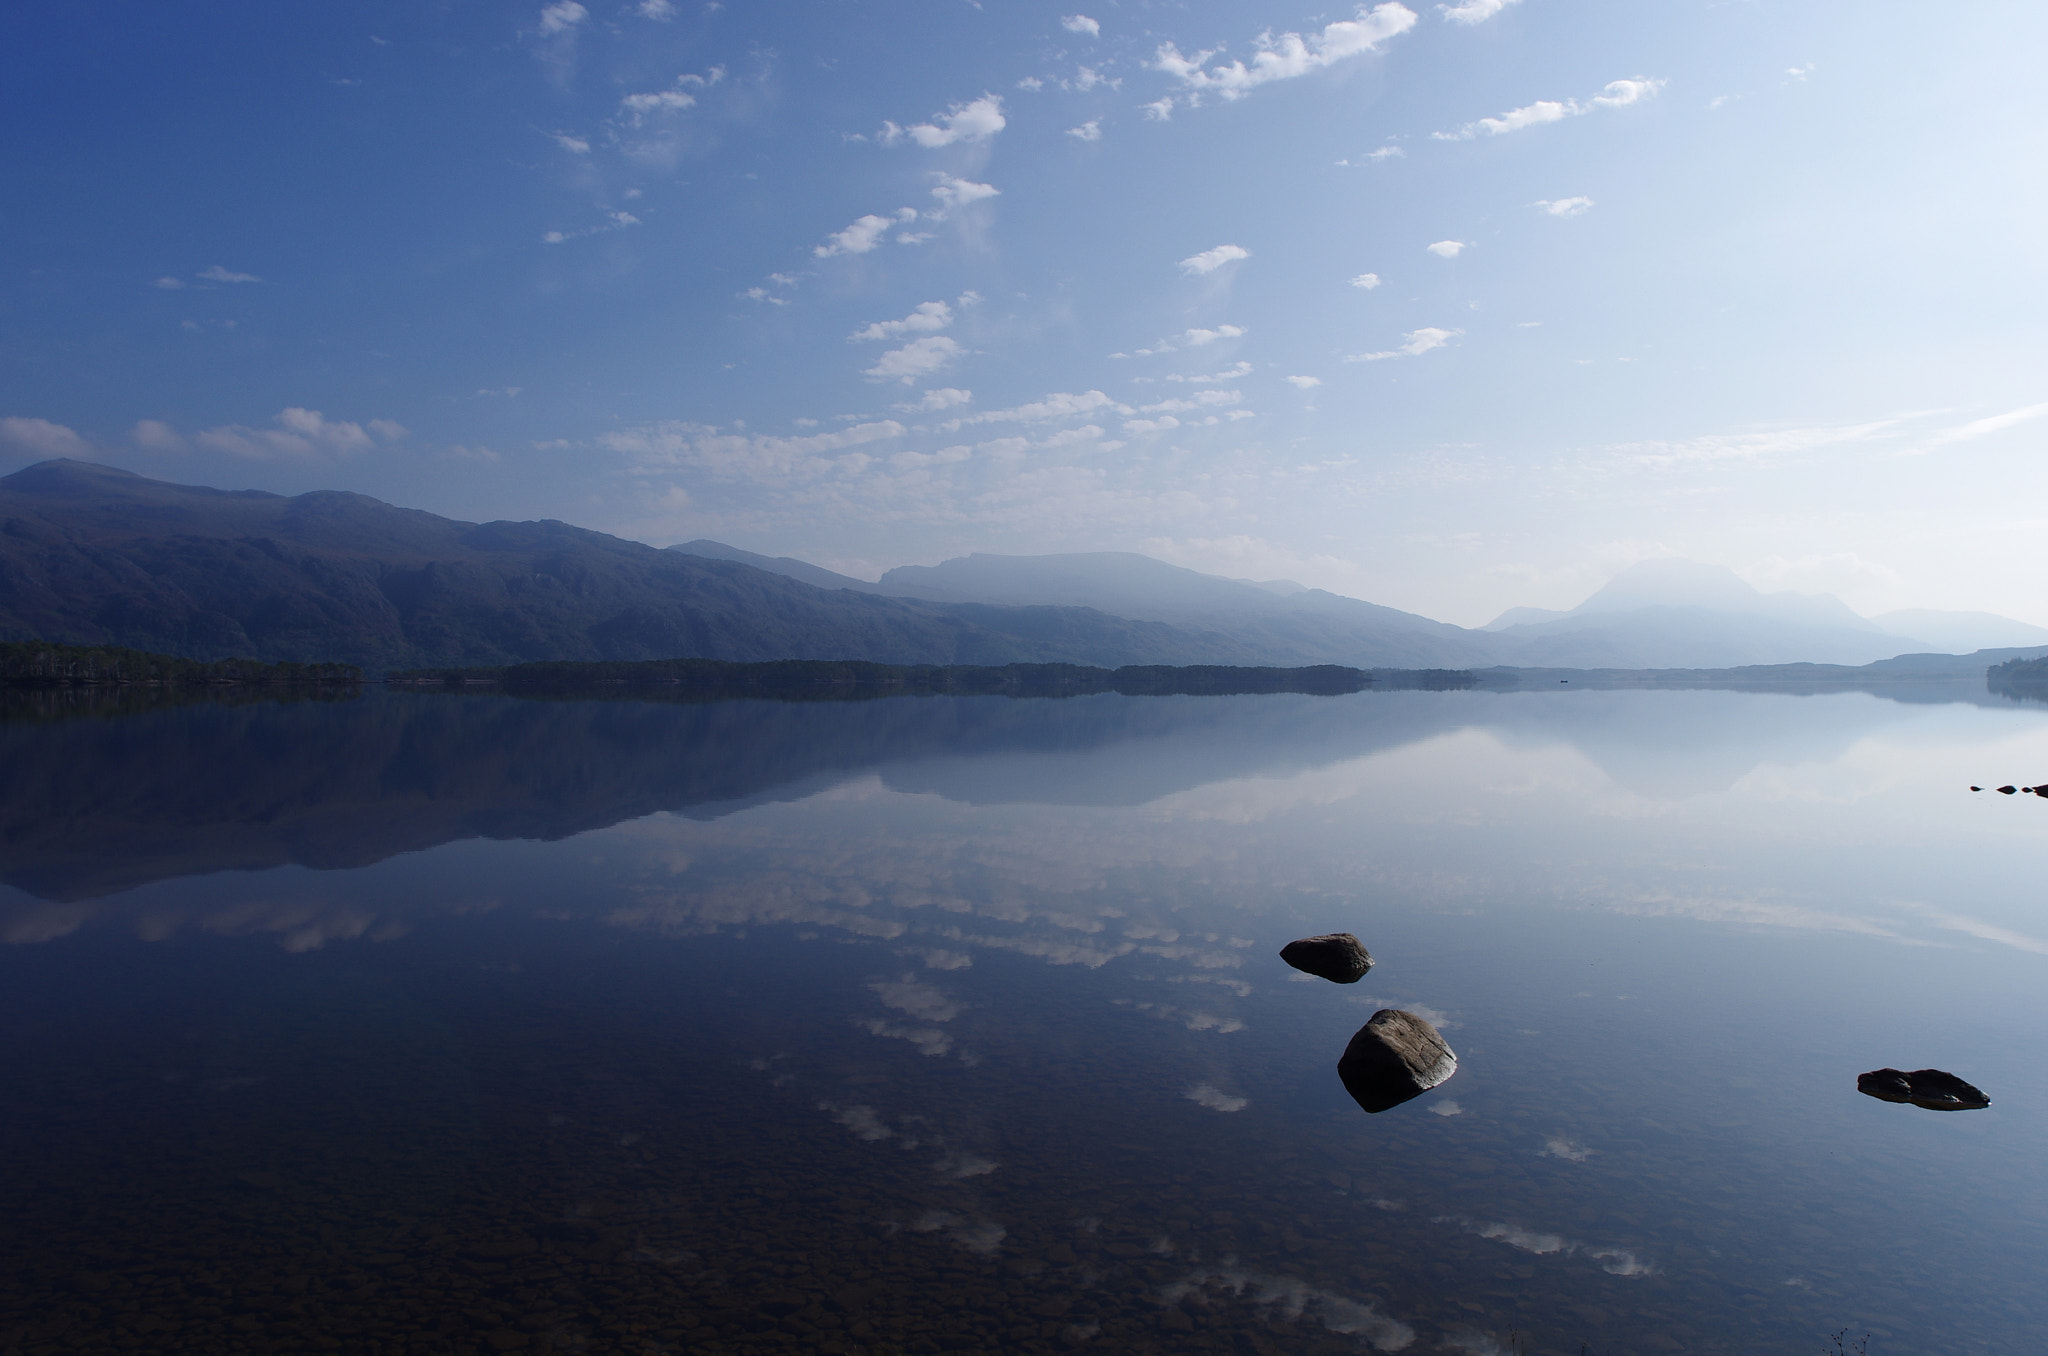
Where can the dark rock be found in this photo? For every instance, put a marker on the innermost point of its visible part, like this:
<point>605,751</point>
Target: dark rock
<point>1394,1057</point>
<point>1336,956</point>
<point>1930,1088</point>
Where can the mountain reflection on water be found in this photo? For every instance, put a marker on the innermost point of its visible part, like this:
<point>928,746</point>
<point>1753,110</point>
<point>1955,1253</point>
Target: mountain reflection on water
<point>442,1022</point>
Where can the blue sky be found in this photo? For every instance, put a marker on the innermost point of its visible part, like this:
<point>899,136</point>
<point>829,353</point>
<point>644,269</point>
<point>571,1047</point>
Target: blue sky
<point>1449,307</point>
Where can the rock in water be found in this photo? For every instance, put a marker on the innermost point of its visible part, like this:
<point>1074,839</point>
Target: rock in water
<point>1394,1057</point>
<point>1931,1088</point>
<point>1336,956</point>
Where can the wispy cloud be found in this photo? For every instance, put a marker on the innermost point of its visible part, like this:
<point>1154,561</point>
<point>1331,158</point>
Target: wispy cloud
<point>298,432</point>
<point>227,275</point>
<point>1198,337</point>
<point>1718,447</point>
<point>975,121</point>
<point>1304,383</point>
<point>1978,428</point>
<point>1057,406</point>
<point>941,398</point>
<point>1617,94</point>
<point>1415,344</point>
<point>1285,56</point>
<point>755,458</point>
<point>1291,1299</point>
<point>1564,207</point>
<point>1209,260</point>
<point>1081,23</point>
<point>1447,249</point>
<point>1090,130</point>
<point>1366,281</point>
<point>613,221</point>
<point>638,108</point>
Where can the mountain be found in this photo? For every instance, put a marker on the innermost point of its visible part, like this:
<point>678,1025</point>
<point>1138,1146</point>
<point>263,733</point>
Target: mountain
<point>1283,621</point>
<point>1962,632</point>
<point>788,566</point>
<point>1680,614</point>
<point>94,555</point>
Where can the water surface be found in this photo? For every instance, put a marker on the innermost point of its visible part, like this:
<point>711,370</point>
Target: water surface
<point>458,1022</point>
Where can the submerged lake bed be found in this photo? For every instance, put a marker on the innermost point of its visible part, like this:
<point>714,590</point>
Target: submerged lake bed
<point>435,1022</point>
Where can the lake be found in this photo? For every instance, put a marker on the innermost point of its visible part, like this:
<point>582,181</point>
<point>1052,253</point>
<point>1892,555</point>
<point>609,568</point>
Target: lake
<point>473,1023</point>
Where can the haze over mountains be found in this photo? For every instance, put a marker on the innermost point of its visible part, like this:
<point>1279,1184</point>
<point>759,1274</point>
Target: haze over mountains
<point>90,554</point>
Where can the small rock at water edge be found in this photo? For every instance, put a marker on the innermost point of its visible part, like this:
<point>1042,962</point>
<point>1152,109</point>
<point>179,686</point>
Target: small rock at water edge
<point>1394,1057</point>
<point>1336,956</point>
<point>1931,1088</point>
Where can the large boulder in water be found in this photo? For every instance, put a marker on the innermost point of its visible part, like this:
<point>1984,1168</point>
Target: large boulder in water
<point>1932,1088</point>
<point>1336,956</point>
<point>1394,1057</point>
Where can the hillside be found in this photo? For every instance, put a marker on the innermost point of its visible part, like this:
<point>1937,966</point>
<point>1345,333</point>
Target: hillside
<point>93,555</point>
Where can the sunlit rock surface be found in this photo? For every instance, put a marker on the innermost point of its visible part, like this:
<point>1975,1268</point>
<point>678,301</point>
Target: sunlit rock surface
<point>1931,1088</point>
<point>1336,956</point>
<point>1395,1057</point>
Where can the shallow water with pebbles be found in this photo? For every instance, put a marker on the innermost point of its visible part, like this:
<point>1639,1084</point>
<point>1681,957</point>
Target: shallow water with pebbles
<point>468,1024</point>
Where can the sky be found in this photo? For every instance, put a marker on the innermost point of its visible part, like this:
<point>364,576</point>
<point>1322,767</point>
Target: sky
<point>1451,307</point>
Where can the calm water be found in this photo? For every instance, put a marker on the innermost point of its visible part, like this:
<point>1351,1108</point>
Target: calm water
<point>464,1023</point>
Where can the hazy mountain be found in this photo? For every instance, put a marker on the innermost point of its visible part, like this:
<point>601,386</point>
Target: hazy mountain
<point>94,555</point>
<point>1680,614</point>
<point>787,566</point>
<point>1287,623</point>
<point>1961,632</point>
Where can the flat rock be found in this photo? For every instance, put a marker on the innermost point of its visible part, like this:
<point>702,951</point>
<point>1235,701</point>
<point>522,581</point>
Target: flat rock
<point>1396,1056</point>
<point>1931,1088</point>
<point>1336,956</point>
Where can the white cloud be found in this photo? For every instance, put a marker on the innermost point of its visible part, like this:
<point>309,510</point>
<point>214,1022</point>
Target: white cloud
<point>660,10</point>
<point>921,1001</point>
<point>613,221</point>
<point>1447,249</point>
<point>1564,207</point>
<point>1208,261</point>
<point>1557,1146</point>
<point>41,438</point>
<point>1031,83</point>
<point>1193,338</point>
<point>1304,383</point>
<point>976,121</point>
<point>574,145</point>
<point>763,295</point>
<point>1159,425</point>
<point>155,435</point>
<point>940,398</point>
<point>299,433</point>
<point>1081,23</point>
<point>1090,130</point>
<point>953,191</point>
<point>1209,1095</point>
<point>863,235</point>
<point>1159,110</point>
<point>1367,281</point>
<point>929,315</point>
<point>562,16</point>
<point>1374,157</point>
<point>929,1040</point>
<point>919,358</point>
<point>1473,11</point>
<point>640,107</point>
<point>169,284</point>
<point>1616,94</point>
<point>1286,56</point>
<point>227,275</point>
<point>1201,400</point>
<point>1417,343</point>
